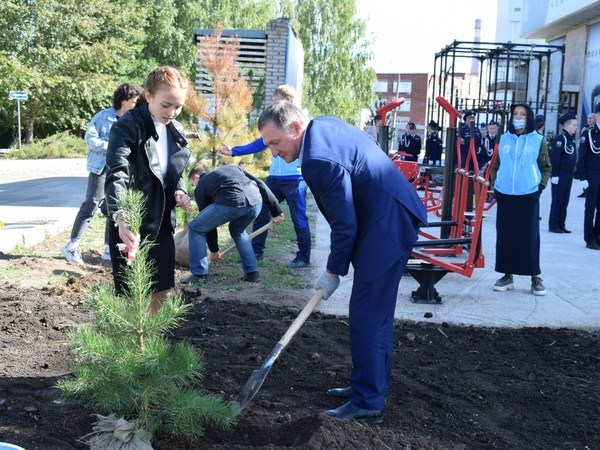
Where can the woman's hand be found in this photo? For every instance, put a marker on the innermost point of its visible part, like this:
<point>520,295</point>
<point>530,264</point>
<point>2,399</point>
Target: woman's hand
<point>131,241</point>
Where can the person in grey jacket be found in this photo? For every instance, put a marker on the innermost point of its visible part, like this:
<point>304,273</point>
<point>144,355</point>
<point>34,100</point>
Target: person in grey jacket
<point>96,137</point>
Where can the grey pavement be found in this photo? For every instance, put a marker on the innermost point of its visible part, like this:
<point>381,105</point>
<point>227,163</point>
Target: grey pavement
<point>40,198</point>
<point>570,271</point>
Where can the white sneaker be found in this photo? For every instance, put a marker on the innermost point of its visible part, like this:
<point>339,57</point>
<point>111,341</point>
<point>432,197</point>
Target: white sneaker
<point>106,254</point>
<point>72,255</point>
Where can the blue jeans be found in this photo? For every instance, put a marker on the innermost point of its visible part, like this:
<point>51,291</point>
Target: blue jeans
<point>293,191</point>
<point>210,218</point>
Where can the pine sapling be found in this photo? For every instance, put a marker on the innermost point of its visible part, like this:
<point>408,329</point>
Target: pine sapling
<point>126,367</point>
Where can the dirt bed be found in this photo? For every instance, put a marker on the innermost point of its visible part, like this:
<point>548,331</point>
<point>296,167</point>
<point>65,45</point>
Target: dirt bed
<point>451,387</point>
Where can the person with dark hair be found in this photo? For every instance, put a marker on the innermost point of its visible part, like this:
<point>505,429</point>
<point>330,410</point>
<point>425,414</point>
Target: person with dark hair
<point>433,145</point>
<point>563,160</point>
<point>465,138</point>
<point>96,138</point>
<point>519,175</point>
<point>374,215</point>
<point>147,152</point>
<point>373,129</point>
<point>540,123</point>
<point>227,194</point>
<point>588,171</point>
<point>286,183</point>
<point>410,142</point>
<point>487,146</point>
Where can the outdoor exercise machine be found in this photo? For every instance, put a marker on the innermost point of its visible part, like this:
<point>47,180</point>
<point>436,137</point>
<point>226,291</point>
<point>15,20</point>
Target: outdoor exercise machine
<point>458,248</point>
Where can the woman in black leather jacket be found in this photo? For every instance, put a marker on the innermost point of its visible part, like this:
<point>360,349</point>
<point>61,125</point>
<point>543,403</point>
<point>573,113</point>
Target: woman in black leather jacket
<point>147,151</point>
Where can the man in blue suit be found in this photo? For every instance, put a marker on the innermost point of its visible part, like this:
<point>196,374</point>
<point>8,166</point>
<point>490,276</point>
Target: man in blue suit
<point>374,215</point>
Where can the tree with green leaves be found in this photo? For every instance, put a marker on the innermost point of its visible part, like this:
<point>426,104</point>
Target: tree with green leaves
<point>67,55</point>
<point>336,77</point>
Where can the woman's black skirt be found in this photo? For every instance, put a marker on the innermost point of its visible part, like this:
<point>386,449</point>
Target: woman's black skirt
<point>518,234</point>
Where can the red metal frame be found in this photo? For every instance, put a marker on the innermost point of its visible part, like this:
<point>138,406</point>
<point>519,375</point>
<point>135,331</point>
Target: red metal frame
<point>385,108</point>
<point>466,225</point>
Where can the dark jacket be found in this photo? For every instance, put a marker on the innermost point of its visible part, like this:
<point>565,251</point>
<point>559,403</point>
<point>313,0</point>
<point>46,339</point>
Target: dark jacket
<point>588,163</point>
<point>233,187</point>
<point>132,163</point>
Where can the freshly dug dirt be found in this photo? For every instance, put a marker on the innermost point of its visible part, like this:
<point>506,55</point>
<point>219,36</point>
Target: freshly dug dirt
<point>451,387</point>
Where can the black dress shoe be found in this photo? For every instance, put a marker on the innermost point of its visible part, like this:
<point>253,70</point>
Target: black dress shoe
<point>349,411</point>
<point>593,246</point>
<point>340,392</point>
<point>564,230</point>
<point>555,230</point>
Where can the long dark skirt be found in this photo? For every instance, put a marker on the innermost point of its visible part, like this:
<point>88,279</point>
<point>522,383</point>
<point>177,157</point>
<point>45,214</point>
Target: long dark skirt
<point>518,234</point>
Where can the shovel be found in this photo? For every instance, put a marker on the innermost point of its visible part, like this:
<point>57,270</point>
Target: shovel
<point>251,236</point>
<point>258,376</point>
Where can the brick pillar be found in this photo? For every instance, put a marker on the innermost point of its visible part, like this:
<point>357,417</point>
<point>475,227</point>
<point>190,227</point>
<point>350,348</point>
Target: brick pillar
<point>277,34</point>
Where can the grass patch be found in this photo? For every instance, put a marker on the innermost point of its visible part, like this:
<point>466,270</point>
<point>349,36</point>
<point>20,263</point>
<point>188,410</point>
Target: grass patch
<point>280,249</point>
<point>60,145</point>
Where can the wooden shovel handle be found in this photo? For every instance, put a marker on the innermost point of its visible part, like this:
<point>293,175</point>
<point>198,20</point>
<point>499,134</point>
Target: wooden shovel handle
<point>251,236</point>
<point>306,311</point>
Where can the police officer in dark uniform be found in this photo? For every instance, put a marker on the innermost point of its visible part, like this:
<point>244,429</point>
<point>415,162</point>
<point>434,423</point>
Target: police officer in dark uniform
<point>488,145</point>
<point>433,145</point>
<point>588,170</point>
<point>563,160</point>
<point>410,142</point>
<point>591,121</point>
<point>465,138</point>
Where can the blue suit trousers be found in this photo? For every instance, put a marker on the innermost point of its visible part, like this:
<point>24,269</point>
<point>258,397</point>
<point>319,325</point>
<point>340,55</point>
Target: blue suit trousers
<point>372,306</point>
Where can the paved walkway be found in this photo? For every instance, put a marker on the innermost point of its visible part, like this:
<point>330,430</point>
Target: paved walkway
<point>40,198</point>
<point>570,271</point>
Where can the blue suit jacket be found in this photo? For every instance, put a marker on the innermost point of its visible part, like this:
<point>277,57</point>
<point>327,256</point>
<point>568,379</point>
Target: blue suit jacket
<point>373,211</point>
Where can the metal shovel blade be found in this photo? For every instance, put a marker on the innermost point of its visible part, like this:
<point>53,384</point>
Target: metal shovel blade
<point>258,376</point>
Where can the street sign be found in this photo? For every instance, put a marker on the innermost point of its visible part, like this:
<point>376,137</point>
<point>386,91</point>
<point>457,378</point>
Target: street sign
<point>17,95</point>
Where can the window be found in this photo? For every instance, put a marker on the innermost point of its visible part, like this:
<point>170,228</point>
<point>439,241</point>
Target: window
<point>405,87</point>
<point>381,86</point>
<point>405,106</point>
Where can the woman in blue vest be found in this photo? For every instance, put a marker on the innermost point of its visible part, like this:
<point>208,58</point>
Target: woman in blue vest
<point>519,175</point>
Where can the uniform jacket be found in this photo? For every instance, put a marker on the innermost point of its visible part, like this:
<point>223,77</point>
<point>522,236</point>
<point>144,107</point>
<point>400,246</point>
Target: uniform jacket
<point>564,155</point>
<point>522,166</point>
<point>132,163</point>
<point>410,143</point>
<point>465,136</point>
<point>96,138</point>
<point>373,211</point>
<point>433,147</point>
<point>588,164</point>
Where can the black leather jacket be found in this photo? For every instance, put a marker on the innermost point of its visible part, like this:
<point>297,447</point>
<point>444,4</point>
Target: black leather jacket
<point>132,163</point>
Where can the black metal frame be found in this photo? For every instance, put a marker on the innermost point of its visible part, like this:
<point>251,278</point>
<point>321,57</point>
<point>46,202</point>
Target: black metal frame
<point>494,57</point>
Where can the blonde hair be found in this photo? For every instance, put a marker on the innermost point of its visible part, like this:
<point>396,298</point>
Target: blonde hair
<point>286,91</point>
